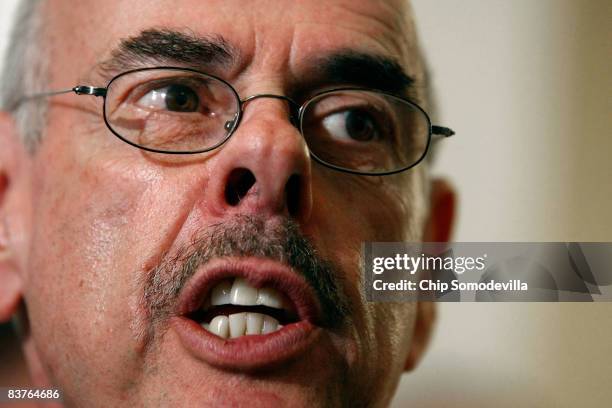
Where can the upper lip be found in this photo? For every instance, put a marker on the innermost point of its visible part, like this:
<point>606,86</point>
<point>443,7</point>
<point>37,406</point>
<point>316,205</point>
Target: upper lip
<point>258,272</point>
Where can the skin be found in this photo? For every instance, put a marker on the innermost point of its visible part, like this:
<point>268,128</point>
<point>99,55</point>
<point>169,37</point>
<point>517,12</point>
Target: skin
<point>85,214</point>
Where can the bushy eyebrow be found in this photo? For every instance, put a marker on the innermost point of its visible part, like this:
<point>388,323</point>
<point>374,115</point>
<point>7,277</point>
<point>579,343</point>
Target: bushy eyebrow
<point>365,70</point>
<point>168,47</point>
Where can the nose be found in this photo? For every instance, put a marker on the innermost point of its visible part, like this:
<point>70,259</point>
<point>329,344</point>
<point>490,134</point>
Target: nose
<point>265,167</point>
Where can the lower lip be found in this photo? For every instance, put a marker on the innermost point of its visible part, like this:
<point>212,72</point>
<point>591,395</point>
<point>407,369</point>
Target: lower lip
<point>247,353</point>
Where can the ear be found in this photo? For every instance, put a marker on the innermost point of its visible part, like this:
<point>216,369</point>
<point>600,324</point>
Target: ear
<point>438,228</point>
<point>12,156</point>
<point>423,329</point>
<point>439,225</point>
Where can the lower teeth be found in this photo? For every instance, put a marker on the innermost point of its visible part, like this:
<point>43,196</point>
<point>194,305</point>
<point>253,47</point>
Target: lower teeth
<point>241,324</point>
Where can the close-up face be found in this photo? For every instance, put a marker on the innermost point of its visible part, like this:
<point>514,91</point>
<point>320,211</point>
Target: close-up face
<point>232,276</point>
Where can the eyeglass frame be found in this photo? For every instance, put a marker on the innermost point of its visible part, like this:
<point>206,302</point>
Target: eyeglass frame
<point>433,130</point>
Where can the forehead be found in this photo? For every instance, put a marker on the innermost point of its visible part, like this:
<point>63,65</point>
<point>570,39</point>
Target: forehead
<point>268,34</point>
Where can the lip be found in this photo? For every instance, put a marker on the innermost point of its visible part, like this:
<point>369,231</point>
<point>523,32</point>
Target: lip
<point>251,352</point>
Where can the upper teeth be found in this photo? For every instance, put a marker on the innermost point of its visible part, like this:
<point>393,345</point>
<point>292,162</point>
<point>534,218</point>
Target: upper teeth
<point>243,294</point>
<point>239,292</point>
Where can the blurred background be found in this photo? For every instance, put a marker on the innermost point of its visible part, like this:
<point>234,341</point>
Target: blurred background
<point>527,87</point>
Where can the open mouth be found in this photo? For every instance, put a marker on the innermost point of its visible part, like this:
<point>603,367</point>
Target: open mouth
<point>234,308</point>
<point>247,313</point>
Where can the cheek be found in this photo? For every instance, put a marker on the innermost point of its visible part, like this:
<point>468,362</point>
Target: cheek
<point>351,210</point>
<point>347,215</point>
<point>389,337</point>
<point>88,218</point>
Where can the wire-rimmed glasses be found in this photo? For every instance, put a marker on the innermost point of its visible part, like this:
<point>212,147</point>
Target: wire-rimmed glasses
<point>184,111</point>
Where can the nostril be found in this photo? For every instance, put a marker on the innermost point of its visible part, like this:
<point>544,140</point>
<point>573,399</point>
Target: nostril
<point>238,185</point>
<point>292,192</point>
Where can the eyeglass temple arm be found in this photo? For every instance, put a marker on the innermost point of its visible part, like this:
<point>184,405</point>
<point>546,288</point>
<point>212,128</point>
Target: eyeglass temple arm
<point>89,90</point>
<point>92,90</point>
<point>79,90</point>
<point>442,131</point>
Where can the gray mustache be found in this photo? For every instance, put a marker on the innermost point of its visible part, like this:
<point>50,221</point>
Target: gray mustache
<point>246,235</point>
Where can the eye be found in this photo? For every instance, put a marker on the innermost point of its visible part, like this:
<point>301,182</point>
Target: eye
<point>354,124</point>
<point>175,98</point>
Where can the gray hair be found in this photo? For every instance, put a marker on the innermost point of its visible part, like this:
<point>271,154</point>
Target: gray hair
<point>25,72</point>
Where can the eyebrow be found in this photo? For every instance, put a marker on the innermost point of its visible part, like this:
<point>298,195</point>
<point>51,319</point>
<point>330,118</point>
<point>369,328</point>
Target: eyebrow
<point>184,48</point>
<point>353,68</point>
<point>168,47</point>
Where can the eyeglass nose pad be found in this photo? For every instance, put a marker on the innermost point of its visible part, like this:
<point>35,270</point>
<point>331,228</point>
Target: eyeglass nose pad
<point>294,121</point>
<point>294,117</point>
<point>230,124</point>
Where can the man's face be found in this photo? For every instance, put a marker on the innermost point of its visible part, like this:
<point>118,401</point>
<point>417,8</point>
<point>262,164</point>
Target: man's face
<point>121,246</point>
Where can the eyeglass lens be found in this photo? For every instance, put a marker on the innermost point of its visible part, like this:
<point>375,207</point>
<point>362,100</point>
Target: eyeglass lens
<point>182,111</point>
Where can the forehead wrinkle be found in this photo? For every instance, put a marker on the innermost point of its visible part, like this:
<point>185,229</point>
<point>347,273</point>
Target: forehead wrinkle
<point>383,30</point>
<point>389,19</point>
